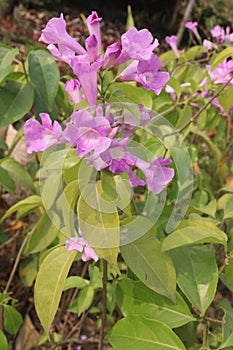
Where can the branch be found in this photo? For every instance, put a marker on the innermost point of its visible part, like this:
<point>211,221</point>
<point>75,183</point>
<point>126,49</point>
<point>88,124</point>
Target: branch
<point>187,15</point>
<point>199,112</point>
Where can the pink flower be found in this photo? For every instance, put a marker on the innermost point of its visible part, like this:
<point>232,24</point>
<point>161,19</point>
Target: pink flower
<point>73,88</point>
<point>41,136</point>
<point>193,27</point>
<point>156,173</point>
<point>93,24</point>
<point>208,45</point>
<point>222,73</point>
<point>87,132</point>
<point>138,44</point>
<point>55,33</point>
<point>172,41</point>
<point>146,73</point>
<point>92,47</point>
<point>218,33</point>
<point>112,55</point>
<point>87,75</point>
<point>81,245</point>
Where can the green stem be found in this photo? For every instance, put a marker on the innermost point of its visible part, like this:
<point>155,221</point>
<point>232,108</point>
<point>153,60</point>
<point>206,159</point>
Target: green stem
<point>104,304</point>
<point>204,339</point>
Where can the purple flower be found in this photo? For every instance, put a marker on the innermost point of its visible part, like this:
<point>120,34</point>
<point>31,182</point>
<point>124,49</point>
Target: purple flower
<point>93,24</point>
<point>218,33</point>
<point>112,55</point>
<point>193,27</point>
<point>222,73</point>
<point>55,33</point>
<point>41,136</point>
<point>172,41</point>
<point>87,132</point>
<point>87,74</point>
<point>208,45</point>
<point>146,73</point>
<point>138,44</point>
<point>156,173</point>
<point>215,102</point>
<point>81,245</point>
<point>92,48</point>
<point>63,54</point>
<point>230,112</point>
<point>73,88</point>
<point>149,77</point>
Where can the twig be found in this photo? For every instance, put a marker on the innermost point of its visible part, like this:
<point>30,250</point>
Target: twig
<point>104,303</point>
<point>9,240</point>
<point>187,15</point>
<point>17,260</point>
<point>199,112</point>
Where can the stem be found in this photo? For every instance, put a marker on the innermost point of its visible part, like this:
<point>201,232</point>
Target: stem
<point>17,260</point>
<point>199,112</point>
<point>104,303</point>
<point>204,340</point>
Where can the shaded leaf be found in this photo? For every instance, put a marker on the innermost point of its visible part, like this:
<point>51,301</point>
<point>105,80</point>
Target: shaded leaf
<point>136,333</point>
<point>12,319</point>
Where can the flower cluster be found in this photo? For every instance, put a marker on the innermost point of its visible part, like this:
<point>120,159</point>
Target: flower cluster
<point>136,47</point>
<point>98,135</point>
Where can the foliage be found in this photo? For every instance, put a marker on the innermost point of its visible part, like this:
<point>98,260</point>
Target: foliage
<point>164,254</point>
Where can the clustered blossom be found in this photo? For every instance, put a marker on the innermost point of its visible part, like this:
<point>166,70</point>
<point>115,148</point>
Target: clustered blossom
<point>136,45</point>
<point>98,135</point>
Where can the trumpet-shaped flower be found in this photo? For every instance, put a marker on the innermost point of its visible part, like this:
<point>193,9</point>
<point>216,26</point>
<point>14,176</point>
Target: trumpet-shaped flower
<point>81,245</point>
<point>146,73</point>
<point>73,88</point>
<point>41,136</point>
<point>156,173</point>
<point>87,75</point>
<point>218,33</point>
<point>172,41</point>
<point>138,44</point>
<point>93,24</point>
<point>92,47</point>
<point>87,132</point>
<point>193,27</point>
<point>208,45</point>
<point>222,73</point>
<point>55,33</point>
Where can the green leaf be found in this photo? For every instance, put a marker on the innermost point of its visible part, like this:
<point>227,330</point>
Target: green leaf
<point>197,275</point>
<point>194,231</point>
<point>6,181</point>
<point>109,185</point>
<point>3,341</point>
<point>209,209</point>
<point>50,283</point>
<point>227,329</point>
<point>222,56</point>
<point>191,53</point>
<point>43,234</point>
<point>44,75</point>
<point>153,267</point>
<point>75,282</point>
<point>18,174</point>
<point>6,58</point>
<point>12,319</point>
<point>135,298</point>
<point>16,100</point>
<point>24,207</point>
<point>136,333</point>
<point>99,223</point>
<point>83,301</point>
<point>225,98</point>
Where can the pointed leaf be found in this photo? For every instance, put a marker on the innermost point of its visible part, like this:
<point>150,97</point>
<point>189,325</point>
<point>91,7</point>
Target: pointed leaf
<point>12,319</point>
<point>3,341</point>
<point>135,298</point>
<point>99,223</point>
<point>50,282</point>
<point>222,56</point>
<point>18,174</point>
<point>228,327</point>
<point>194,231</point>
<point>16,100</point>
<point>197,283</point>
<point>6,181</point>
<point>153,267</point>
<point>24,207</point>
<point>6,58</point>
<point>136,333</point>
<point>44,75</point>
